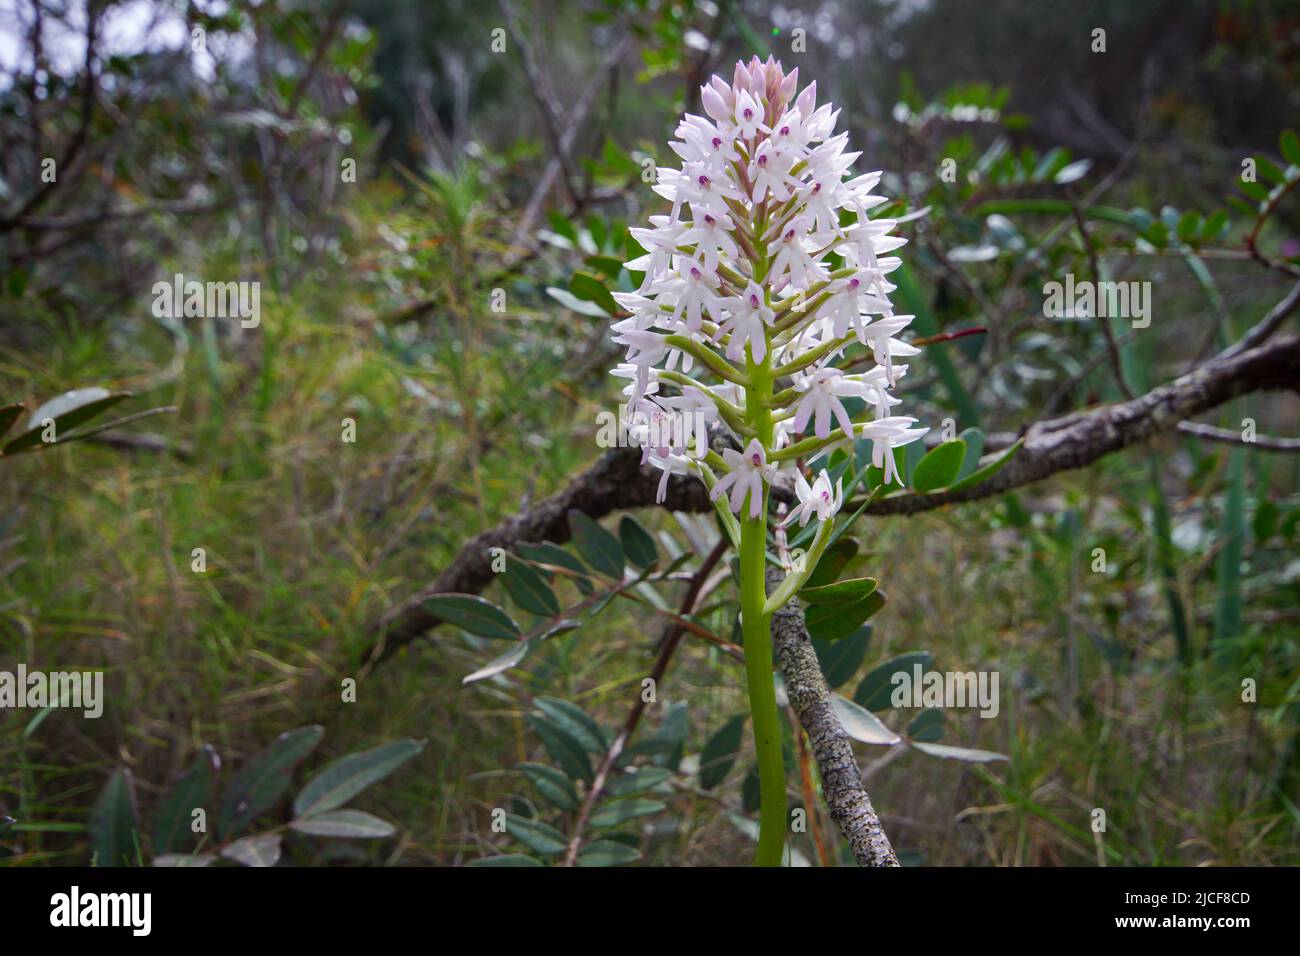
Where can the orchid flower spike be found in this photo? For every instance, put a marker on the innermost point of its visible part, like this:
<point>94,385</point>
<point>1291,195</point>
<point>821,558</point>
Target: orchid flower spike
<point>761,292</point>
<point>741,274</point>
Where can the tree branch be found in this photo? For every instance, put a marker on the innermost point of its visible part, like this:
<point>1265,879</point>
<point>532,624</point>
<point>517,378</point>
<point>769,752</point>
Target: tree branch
<point>1267,325</point>
<point>1079,440</point>
<point>615,482</point>
<point>618,481</point>
<point>1230,436</point>
<point>806,687</point>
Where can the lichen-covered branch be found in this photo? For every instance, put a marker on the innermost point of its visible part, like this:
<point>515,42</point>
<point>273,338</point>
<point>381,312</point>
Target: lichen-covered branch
<point>846,798</point>
<point>618,481</point>
<point>614,482</point>
<point>1078,440</point>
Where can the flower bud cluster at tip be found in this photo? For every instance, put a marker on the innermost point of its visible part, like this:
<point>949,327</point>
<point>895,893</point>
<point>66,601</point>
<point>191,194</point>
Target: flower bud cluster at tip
<point>767,258</point>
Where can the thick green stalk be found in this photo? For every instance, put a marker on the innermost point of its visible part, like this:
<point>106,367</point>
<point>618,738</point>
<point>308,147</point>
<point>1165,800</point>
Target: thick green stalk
<point>756,627</point>
<point>762,693</point>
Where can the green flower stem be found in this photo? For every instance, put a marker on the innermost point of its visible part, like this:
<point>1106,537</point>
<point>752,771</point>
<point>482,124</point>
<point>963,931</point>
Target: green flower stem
<point>733,416</point>
<point>807,447</point>
<point>801,363</point>
<point>795,579</point>
<point>756,627</point>
<point>794,314</point>
<point>711,359</point>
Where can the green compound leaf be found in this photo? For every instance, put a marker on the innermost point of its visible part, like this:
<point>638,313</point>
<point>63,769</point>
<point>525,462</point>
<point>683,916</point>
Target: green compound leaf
<point>537,836</point>
<point>552,784</point>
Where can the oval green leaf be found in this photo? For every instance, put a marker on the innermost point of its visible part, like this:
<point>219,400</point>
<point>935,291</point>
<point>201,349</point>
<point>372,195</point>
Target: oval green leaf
<point>841,592</point>
<point>940,466</point>
<point>348,824</point>
<point>67,411</point>
<point>261,850</point>
<point>620,811</point>
<point>636,780</point>
<point>498,665</point>
<point>553,785</point>
<point>832,562</point>
<point>719,754</point>
<point>573,303</point>
<point>608,853</point>
<point>562,747</point>
<point>575,721</point>
<point>598,547</point>
<point>841,659</point>
<point>346,777</point>
<point>876,688</point>
<point>537,836</point>
<point>474,614</point>
<point>926,726</point>
<point>861,724</point>
<point>965,754</point>
<point>265,777</point>
<point>113,831</point>
<point>590,288</point>
<point>638,545</point>
<point>549,553</point>
<point>529,590</point>
<point>988,471</point>
<point>172,817</point>
<point>830,622</point>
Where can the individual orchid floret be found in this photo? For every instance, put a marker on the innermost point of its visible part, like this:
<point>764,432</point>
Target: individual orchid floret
<point>880,337</point>
<point>816,499</point>
<point>747,318</point>
<point>695,290</point>
<point>822,391</point>
<point>886,434</point>
<point>749,471</point>
<point>670,465</point>
<point>853,301</point>
<point>748,116</point>
<point>793,261</point>
<point>711,235</point>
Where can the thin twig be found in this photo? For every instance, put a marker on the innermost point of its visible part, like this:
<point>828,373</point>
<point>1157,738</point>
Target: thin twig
<point>1230,436</point>
<point>667,647</point>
